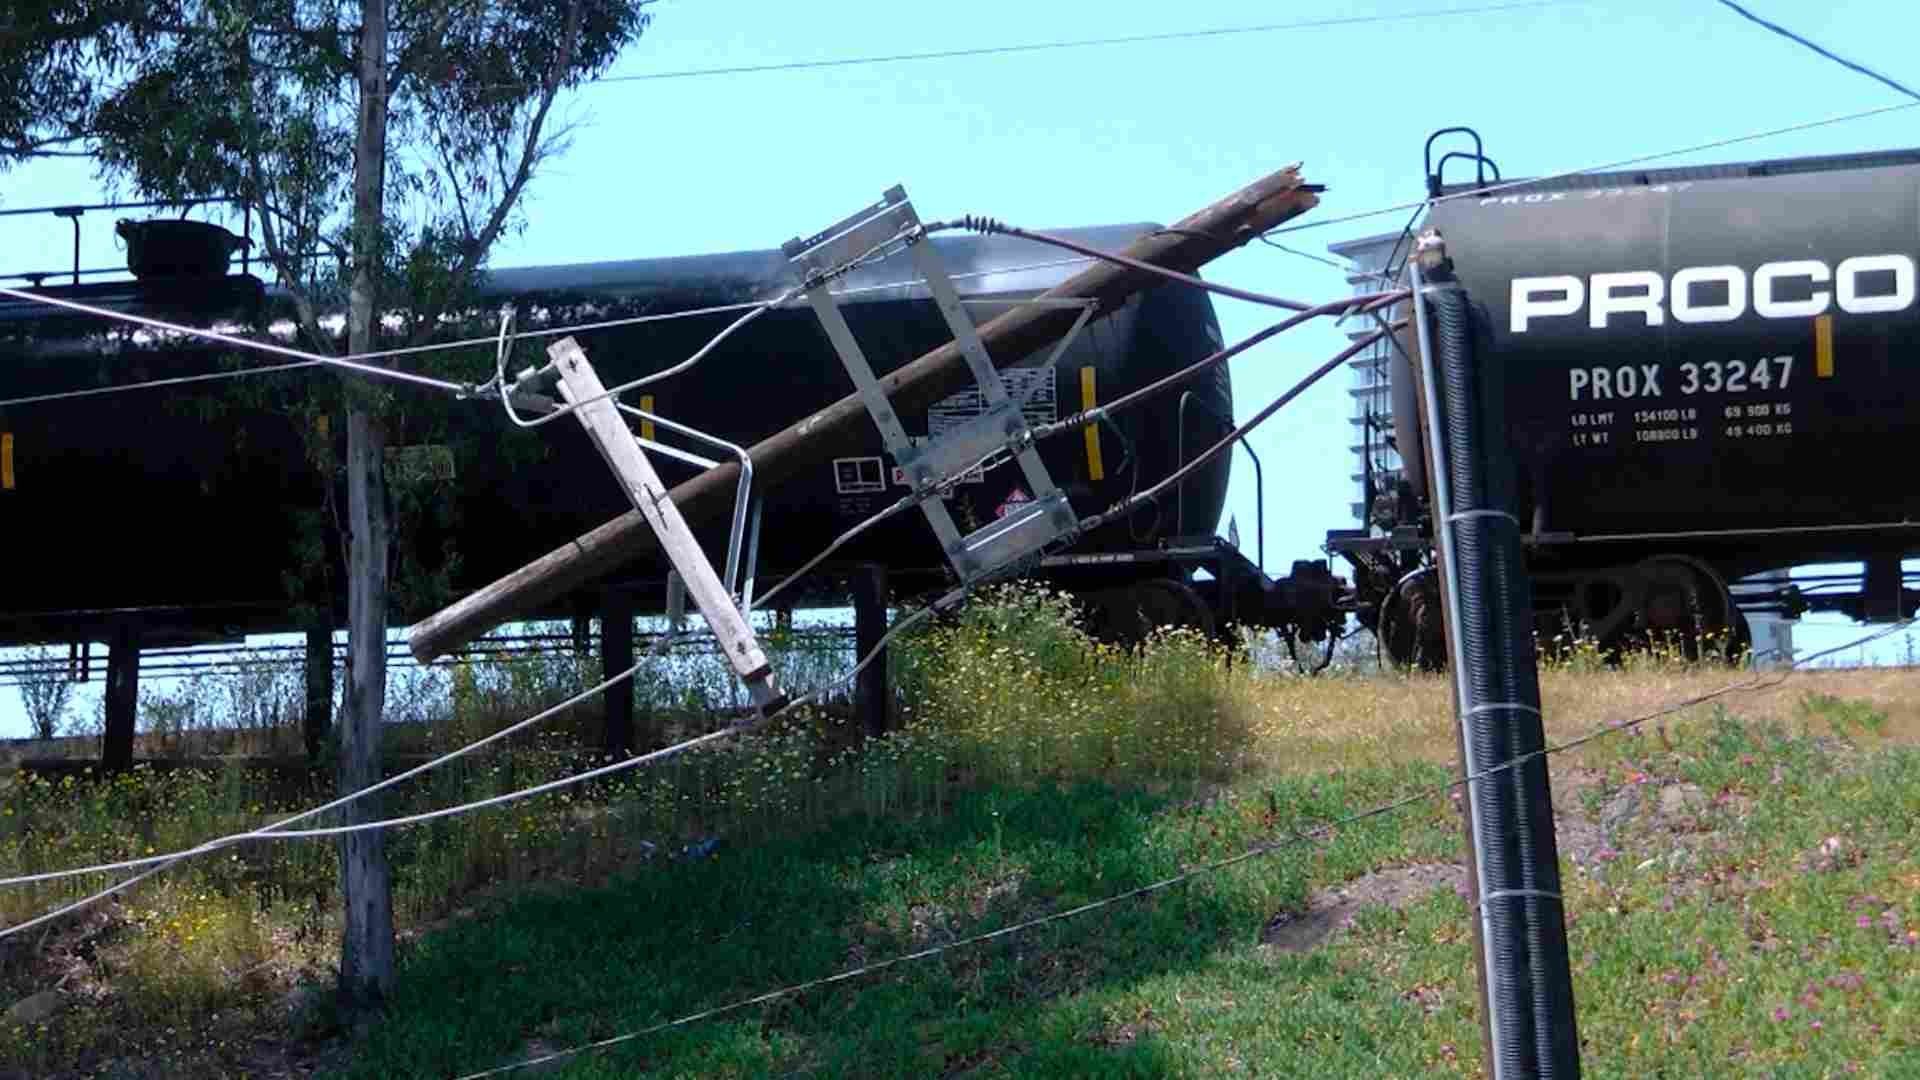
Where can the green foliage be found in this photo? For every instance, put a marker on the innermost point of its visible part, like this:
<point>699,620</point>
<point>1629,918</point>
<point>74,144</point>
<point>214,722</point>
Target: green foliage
<point>1016,670</point>
<point>258,101</point>
<point>1790,953</point>
<point>1845,718</point>
<point>52,53</point>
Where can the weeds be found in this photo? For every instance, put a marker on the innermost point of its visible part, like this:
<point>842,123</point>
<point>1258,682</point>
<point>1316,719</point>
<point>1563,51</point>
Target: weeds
<point>996,709</point>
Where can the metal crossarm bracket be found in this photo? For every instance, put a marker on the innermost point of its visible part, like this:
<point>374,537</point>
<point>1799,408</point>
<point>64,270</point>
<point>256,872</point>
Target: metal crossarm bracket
<point>1002,426</point>
<point>617,444</point>
<point>745,526</point>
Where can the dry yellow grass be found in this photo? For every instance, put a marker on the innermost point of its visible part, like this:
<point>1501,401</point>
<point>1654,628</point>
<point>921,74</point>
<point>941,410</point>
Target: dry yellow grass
<point>1306,725</point>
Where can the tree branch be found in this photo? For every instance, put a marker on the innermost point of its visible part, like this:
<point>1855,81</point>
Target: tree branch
<point>7,151</point>
<point>459,196</point>
<point>283,263</point>
<point>476,245</point>
<point>259,198</point>
<point>421,48</point>
<point>530,149</point>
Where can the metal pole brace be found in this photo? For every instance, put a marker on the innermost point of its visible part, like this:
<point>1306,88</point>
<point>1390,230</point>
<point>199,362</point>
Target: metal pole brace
<point>1001,426</point>
<point>580,386</point>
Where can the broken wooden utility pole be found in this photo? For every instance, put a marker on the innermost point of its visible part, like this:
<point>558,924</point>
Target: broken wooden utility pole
<point>1186,246</point>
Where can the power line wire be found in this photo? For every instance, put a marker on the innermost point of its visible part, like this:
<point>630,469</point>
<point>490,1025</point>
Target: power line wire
<point>1258,851</point>
<point>1080,43</point>
<point>1482,192</point>
<point>1799,40</point>
<point>1331,22</point>
<point>313,359</point>
<point>278,831</point>
<point>154,384</point>
<point>347,363</point>
<point>987,226</point>
<point>1345,268</point>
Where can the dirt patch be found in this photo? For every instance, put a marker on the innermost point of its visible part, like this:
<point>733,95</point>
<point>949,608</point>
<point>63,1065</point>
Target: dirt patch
<point>1332,910</point>
<point>1583,841</point>
<point>1579,838</point>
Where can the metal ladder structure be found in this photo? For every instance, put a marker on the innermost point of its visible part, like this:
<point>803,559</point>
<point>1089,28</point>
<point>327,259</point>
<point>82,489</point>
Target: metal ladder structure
<point>1026,529</point>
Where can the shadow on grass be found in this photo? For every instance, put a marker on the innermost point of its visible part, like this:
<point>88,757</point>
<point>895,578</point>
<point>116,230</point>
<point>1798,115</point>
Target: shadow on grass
<point>557,971</point>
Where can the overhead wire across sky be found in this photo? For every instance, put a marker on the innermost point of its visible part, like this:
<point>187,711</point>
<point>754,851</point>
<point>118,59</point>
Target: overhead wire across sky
<point>1638,159</point>
<point>1322,23</point>
<point>1084,43</point>
<point>1801,40</point>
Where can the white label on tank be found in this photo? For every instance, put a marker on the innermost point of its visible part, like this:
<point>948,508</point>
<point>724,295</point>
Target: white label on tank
<point>1789,289</point>
<point>1042,407</point>
<point>859,475</point>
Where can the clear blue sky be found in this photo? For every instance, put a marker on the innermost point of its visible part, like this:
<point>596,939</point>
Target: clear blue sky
<point>1148,131</point>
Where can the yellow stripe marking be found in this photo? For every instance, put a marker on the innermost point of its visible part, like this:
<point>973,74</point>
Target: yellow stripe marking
<point>1095,469</point>
<point>646,426</point>
<point>6,461</point>
<point>1823,346</point>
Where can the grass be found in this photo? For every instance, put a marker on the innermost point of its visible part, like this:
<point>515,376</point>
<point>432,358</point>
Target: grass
<point>1761,957</point>
<point>1034,772</point>
<point>576,967</point>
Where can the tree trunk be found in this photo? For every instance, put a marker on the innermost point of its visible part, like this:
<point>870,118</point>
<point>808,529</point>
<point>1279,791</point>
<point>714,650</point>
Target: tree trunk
<point>366,947</point>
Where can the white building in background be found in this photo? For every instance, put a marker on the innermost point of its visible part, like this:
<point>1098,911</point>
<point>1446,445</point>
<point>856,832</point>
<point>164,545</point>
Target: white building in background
<point>1772,633</point>
<point>1371,420</point>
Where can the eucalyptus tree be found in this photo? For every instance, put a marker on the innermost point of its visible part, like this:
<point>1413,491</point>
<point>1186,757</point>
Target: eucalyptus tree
<point>383,148</point>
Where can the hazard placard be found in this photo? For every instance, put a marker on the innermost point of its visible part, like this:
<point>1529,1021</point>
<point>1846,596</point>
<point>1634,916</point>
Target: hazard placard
<point>1013,502</point>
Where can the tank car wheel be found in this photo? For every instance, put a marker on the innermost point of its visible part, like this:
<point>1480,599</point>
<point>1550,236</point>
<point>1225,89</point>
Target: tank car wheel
<point>1684,600</point>
<point>1169,603</point>
<point>1128,616</point>
<point>1412,625</point>
<point>1110,619</point>
<point>1604,607</point>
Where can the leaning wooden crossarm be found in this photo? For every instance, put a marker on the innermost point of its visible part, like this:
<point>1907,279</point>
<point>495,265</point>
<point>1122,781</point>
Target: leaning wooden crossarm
<point>1185,246</point>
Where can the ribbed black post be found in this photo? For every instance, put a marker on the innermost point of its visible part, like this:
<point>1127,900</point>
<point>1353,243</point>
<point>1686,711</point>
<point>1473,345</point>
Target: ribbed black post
<point>1529,977</point>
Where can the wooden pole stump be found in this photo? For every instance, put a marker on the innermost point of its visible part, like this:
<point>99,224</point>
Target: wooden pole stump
<point>121,698</point>
<point>616,655</point>
<point>871,700</point>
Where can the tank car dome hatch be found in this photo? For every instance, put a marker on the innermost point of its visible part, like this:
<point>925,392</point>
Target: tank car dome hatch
<point>176,248</point>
